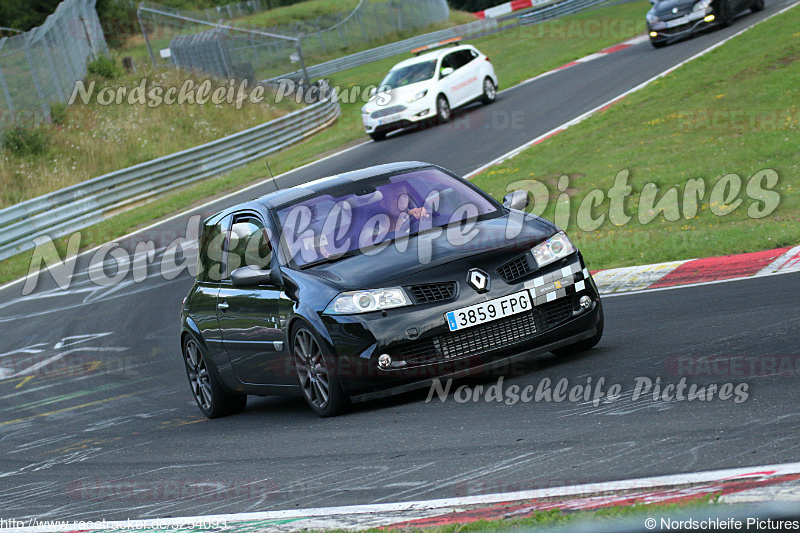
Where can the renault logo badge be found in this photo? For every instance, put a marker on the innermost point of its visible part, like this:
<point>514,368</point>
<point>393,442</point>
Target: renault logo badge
<point>478,279</point>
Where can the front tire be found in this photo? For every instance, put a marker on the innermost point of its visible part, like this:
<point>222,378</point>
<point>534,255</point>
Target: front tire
<point>378,136</point>
<point>585,344</point>
<point>443,111</point>
<point>489,91</point>
<point>317,374</point>
<point>756,6</point>
<point>658,44</point>
<point>725,13</point>
<point>207,390</point>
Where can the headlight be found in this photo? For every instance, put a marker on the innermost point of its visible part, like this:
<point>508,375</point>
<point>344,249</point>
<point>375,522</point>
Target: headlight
<point>556,247</point>
<point>417,96</point>
<point>652,18</point>
<point>702,5</point>
<point>364,111</point>
<point>365,301</point>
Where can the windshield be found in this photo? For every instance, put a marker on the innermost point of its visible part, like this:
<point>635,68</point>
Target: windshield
<point>410,74</point>
<point>359,216</point>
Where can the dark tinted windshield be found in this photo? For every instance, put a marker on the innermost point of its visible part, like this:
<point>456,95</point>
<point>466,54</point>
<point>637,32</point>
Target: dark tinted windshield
<point>410,74</point>
<point>363,214</point>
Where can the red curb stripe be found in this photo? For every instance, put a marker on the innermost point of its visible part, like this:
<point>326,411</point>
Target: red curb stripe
<point>562,67</point>
<point>718,268</point>
<point>607,106</point>
<point>615,48</point>
<point>543,139</point>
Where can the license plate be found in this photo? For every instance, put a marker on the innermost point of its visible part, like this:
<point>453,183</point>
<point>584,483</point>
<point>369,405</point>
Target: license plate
<point>684,19</point>
<point>472,315</point>
<point>389,119</point>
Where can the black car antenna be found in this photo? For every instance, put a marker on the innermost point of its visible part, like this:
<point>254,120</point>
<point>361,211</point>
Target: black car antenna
<point>274,181</point>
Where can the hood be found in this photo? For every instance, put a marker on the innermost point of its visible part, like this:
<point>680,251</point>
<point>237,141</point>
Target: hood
<point>664,9</point>
<point>397,96</point>
<point>428,252</point>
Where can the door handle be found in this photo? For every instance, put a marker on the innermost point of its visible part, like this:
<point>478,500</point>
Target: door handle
<point>223,306</point>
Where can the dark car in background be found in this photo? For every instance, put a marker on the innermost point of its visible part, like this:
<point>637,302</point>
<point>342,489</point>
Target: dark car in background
<point>374,282</point>
<point>669,20</point>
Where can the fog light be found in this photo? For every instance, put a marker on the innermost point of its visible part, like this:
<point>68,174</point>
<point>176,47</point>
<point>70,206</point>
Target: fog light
<point>585,302</point>
<point>653,34</point>
<point>385,360</point>
<point>709,18</point>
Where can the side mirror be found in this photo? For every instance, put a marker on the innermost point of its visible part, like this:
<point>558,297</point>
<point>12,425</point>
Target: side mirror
<point>653,2</point>
<point>446,71</point>
<point>516,200</point>
<point>251,276</point>
<point>373,92</point>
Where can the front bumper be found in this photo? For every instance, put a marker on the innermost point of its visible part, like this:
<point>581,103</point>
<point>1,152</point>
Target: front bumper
<point>680,27</point>
<point>422,347</point>
<point>418,111</point>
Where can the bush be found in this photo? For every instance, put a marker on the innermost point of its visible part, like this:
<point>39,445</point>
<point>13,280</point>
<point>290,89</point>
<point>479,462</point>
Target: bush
<point>21,140</point>
<point>58,113</point>
<point>104,66</point>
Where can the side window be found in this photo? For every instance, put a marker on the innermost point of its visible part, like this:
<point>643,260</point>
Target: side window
<point>248,245</point>
<point>209,258</point>
<point>466,56</point>
<point>451,60</point>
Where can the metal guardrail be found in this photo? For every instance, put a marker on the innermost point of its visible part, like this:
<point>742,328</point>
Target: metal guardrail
<point>557,10</point>
<point>79,206</point>
<point>382,52</point>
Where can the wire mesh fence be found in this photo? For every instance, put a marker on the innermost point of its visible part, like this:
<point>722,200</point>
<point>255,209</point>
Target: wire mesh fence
<point>239,48</point>
<point>40,67</point>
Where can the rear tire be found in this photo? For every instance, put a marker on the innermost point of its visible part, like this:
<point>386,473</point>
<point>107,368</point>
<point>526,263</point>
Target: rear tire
<point>378,136</point>
<point>585,344</point>
<point>443,111</point>
<point>317,374</point>
<point>206,387</point>
<point>756,6</point>
<point>489,91</point>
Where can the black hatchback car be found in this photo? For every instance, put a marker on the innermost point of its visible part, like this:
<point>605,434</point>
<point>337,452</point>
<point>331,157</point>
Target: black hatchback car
<point>671,19</point>
<point>375,282</point>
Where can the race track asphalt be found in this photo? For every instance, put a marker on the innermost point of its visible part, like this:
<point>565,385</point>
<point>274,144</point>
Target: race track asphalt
<point>107,428</point>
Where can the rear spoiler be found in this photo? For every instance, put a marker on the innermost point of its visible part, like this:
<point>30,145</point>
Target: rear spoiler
<point>454,41</point>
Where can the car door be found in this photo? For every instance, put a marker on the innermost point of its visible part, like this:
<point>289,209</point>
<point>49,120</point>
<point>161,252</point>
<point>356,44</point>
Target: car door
<point>452,83</point>
<point>252,319</point>
<point>472,77</point>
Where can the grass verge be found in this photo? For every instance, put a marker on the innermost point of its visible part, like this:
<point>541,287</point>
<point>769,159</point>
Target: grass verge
<point>546,48</point>
<point>732,112</point>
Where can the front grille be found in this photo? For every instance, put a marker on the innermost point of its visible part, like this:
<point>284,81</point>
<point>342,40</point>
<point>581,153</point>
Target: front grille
<point>479,339</point>
<point>432,292</point>
<point>386,111</point>
<point>515,269</point>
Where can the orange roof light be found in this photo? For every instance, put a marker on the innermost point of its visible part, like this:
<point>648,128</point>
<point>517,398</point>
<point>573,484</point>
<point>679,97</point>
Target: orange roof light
<point>418,51</point>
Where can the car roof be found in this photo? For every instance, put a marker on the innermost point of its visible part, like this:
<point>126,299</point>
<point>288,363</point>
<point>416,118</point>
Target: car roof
<point>284,196</point>
<point>429,56</point>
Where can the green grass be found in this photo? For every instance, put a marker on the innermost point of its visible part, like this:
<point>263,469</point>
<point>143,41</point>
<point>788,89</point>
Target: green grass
<point>95,139</point>
<point>733,111</point>
<point>541,54</point>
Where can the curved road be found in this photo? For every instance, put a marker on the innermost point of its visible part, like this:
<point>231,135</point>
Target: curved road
<point>97,422</point>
